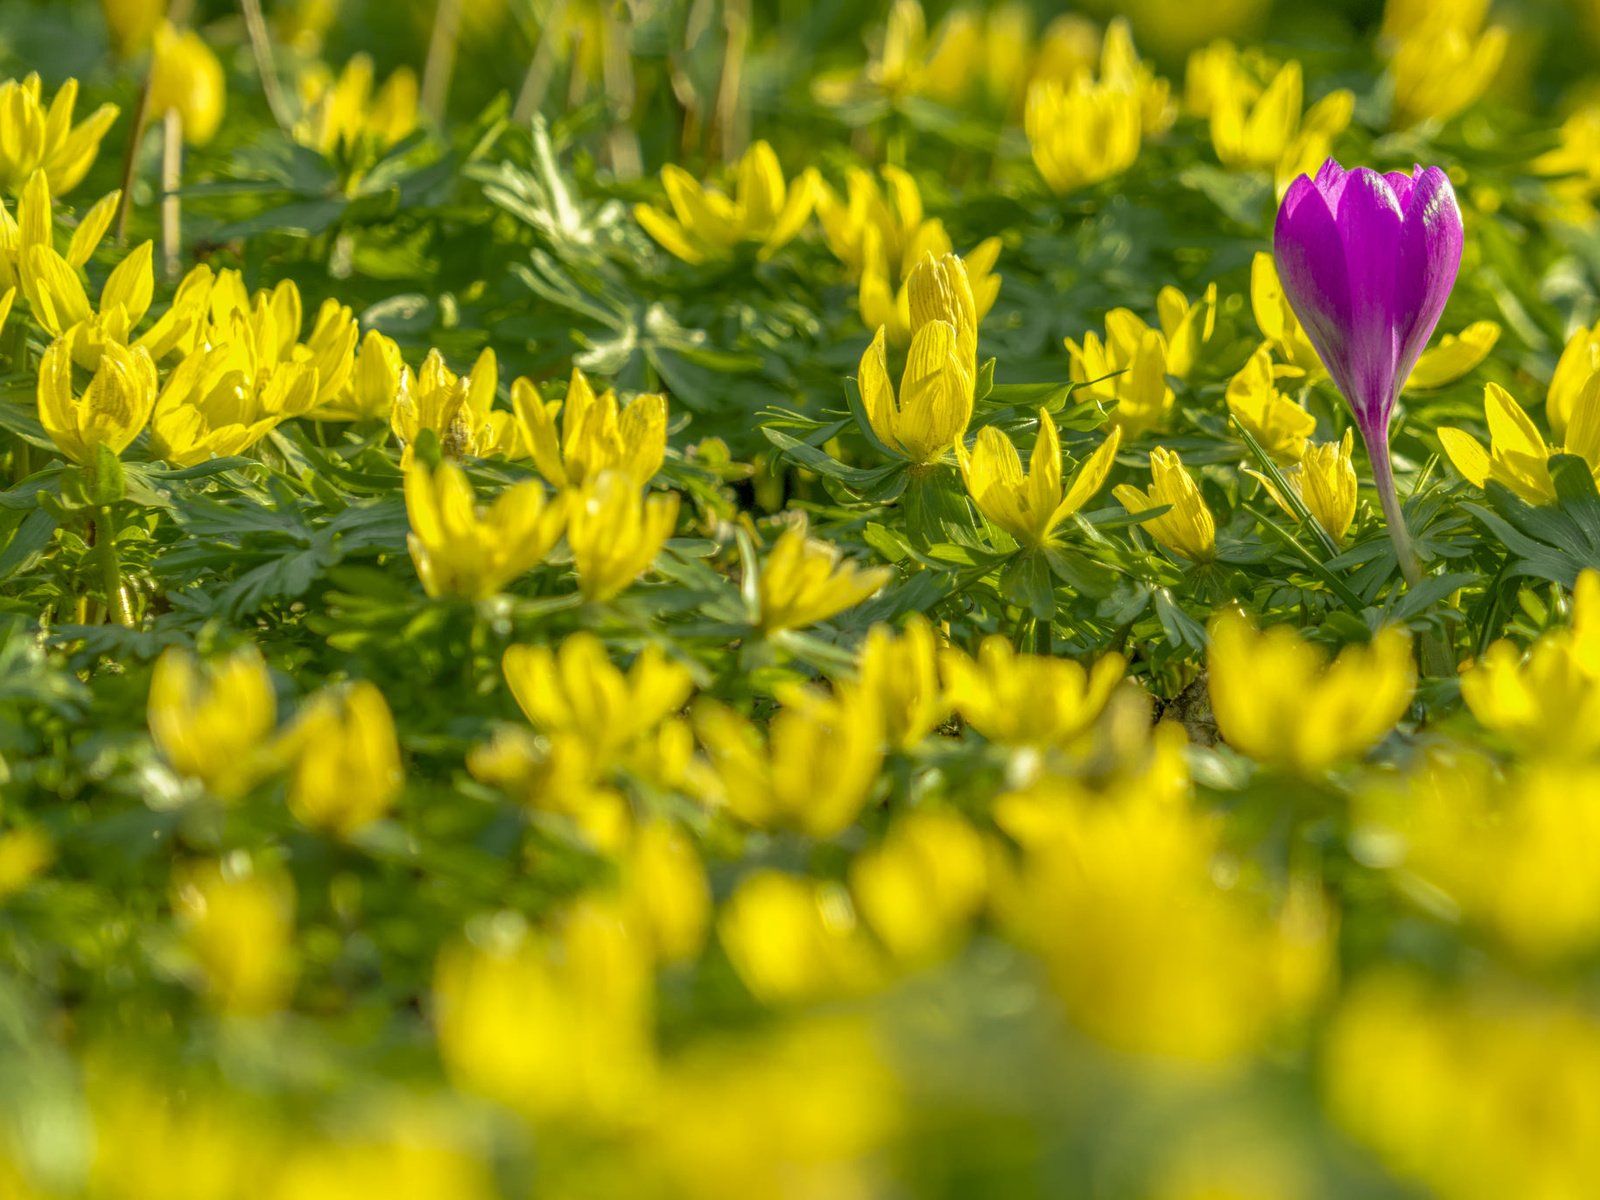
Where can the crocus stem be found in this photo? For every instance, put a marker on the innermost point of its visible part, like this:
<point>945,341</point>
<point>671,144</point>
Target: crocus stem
<point>1383,478</point>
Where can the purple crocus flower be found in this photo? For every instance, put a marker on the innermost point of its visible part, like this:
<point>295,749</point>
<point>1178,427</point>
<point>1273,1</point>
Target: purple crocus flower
<point>1368,260</point>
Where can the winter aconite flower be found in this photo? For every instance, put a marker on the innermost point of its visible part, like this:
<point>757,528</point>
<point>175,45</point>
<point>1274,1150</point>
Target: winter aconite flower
<point>111,411</point>
<point>346,759</point>
<point>1274,420</point>
<point>1030,507</point>
<point>921,887</point>
<point>1443,62</point>
<point>462,549</point>
<point>934,403</point>
<point>1454,356</point>
<point>615,533</point>
<point>1518,456</point>
<point>1575,370</point>
<point>1029,699</point>
<point>1187,527</point>
<point>596,433</point>
<point>708,224</point>
<point>1128,371</point>
<point>1278,699</point>
<point>802,581</point>
<point>1325,481</point>
<point>187,77</point>
<point>1368,261</point>
<point>899,676</point>
<point>1082,133</point>
<point>36,138</point>
<point>344,112</point>
<point>214,722</point>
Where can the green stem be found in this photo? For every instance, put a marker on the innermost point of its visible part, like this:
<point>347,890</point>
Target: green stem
<point>1383,476</point>
<point>105,541</point>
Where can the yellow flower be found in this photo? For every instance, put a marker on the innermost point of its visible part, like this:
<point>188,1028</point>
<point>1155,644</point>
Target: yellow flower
<point>1453,356</point>
<point>238,925</point>
<point>1213,71</point>
<point>1442,67</point>
<point>1517,455</point>
<point>1083,133</point>
<point>1274,420</point>
<point>1578,365</point>
<point>1507,850</point>
<point>410,1155</point>
<point>665,884</point>
<point>347,759</point>
<point>132,23</point>
<point>1030,507</point>
<point>1128,370</point>
<point>33,138</point>
<point>899,677</point>
<point>215,724</point>
<point>555,1025</point>
<point>211,407</point>
<point>1187,327</point>
<point>577,690</point>
<point>1276,320</point>
<point>1187,528</point>
<point>1575,163</point>
<point>1269,132</point>
<point>812,772</point>
<point>1278,699</point>
<point>793,940</point>
<point>934,404</point>
<point>112,409</point>
<point>461,549</point>
<point>24,855</point>
<point>186,75</point>
<point>1547,701</point>
<point>615,533</point>
<point>1147,952</point>
<point>380,377</point>
<point>344,113</point>
<point>1121,68</point>
<point>458,409</point>
<point>1439,1080</point>
<point>59,301</point>
<point>709,224</point>
<point>1028,699</point>
<point>596,434</point>
<point>802,581</point>
<point>922,886</point>
<point>1325,481</point>
<point>891,214</point>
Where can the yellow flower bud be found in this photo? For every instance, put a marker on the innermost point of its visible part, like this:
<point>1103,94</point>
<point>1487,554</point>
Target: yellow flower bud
<point>347,760</point>
<point>214,724</point>
<point>110,412</point>
<point>1274,420</point>
<point>1187,527</point>
<point>1128,370</point>
<point>186,77</point>
<point>1030,507</point>
<point>615,533</point>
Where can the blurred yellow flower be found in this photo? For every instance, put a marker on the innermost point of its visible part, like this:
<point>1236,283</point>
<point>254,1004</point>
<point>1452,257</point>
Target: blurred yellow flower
<point>1274,420</point>
<point>812,771</point>
<point>346,759</point>
<point>802,581</point>
<point>1278,699</point>
<point>186,76</point>
<point>555,1026</point>
<point>615,533</point>
<point>1276,319</point>
<point>794,940</point>
<point>1546,701</point>
<point>707,224</point>
<point>214,723</point>
<point>132,23</point>
<point>1440,1082</point>
<point>596,434</point>
<point>411,1157</point>
<point>899,677</point>
<point>36,138</point>
<point>1028,699</point>
<point>462,549</point>
<point>343,113</point>
<point>921,887</point>
<point>576,689</point>
<point>1030,507</point>
<point>1083,133</point>
<point>934,403</point>
<point>238,924</point>
<point>110,412</point>
<point>24,855</point>
<point>1268,131</point>
<point>665,884</point>
<point>1453,356</point>
<point>1443,65</point>
<point>1187,527</point>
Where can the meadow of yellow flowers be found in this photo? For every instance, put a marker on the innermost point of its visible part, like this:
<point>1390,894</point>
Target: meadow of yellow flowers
<point>752,598</point>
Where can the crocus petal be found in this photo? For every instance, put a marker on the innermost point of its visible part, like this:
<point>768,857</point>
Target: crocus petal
<point>1313,273</point>
<point>1370,222</point>
<point>1430,255</point>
